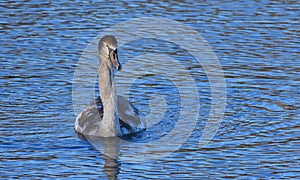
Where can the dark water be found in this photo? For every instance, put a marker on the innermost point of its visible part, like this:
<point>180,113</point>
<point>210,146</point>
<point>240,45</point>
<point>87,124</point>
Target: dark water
<point>256,42</point>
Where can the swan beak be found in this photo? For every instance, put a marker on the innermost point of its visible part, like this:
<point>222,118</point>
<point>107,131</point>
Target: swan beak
<point>115,60</point>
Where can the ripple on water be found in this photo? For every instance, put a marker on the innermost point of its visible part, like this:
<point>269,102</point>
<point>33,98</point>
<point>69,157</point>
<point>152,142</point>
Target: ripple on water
<point>256,43</point>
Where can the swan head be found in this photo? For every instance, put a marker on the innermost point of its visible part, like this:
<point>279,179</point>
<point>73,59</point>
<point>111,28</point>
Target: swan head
<point>107,47</point>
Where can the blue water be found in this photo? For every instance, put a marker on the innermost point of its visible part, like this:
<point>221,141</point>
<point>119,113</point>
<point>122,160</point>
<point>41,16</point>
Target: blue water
<point>256,42</point>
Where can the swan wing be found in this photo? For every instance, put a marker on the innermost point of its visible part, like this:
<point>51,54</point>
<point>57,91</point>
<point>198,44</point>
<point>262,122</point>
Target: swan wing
<point>129,115</point>
<point>88,121</point>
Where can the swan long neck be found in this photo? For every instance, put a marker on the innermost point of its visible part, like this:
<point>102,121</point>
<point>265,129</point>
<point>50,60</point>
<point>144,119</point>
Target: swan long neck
<point>111,124</point>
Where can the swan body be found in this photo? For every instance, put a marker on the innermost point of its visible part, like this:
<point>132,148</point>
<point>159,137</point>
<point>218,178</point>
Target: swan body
<point>109,115</point>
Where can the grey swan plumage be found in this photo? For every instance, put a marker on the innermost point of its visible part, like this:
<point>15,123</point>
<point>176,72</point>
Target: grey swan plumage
<point>109,115</point>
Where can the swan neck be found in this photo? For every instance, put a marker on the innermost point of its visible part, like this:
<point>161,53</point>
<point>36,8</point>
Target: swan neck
<point>111,125</point>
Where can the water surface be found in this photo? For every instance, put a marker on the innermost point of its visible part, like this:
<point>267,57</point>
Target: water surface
<point>257,43</point>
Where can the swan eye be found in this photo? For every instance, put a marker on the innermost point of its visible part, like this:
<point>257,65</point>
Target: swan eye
<point>109,49</point>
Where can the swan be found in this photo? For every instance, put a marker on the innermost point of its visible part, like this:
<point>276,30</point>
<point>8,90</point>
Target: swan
<point>109,115</point>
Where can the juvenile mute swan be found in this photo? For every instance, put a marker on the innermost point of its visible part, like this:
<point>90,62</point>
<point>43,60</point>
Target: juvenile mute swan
<point>109,115</point>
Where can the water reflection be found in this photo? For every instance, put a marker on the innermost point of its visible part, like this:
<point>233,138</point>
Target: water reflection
<point>110,148</point>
